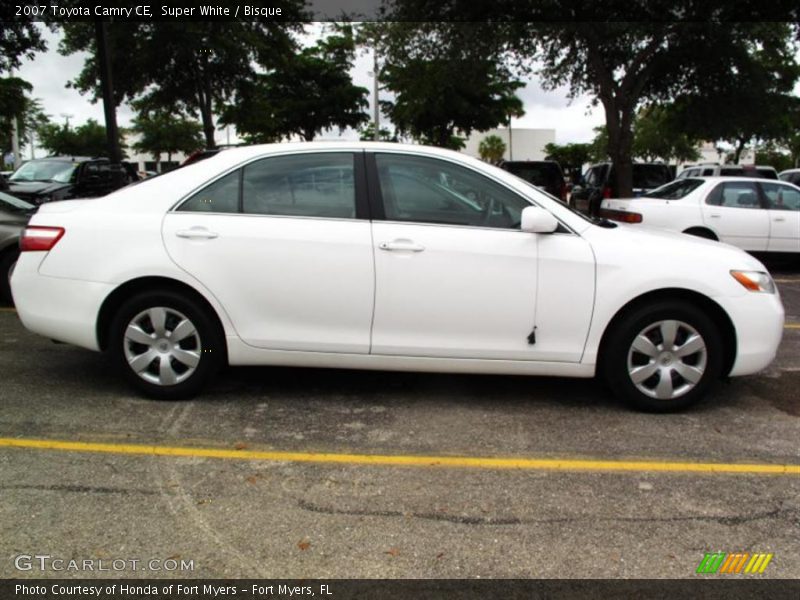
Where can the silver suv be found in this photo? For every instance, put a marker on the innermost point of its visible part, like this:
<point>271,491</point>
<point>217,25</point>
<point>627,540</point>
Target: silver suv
<point>715,170</point>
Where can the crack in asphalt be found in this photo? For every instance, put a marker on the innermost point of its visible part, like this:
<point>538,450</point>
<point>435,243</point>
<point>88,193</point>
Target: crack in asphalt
<point>730,520</point>
<point>81,489</point>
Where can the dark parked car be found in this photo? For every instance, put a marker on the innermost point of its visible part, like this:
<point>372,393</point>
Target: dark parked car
<point>791,175</point>
<point>63,177</point>
<point>14,214</point>
<point>544,174</point>
<point>600,182</point>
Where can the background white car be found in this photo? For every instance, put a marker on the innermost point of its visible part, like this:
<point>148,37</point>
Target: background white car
<point>384,256</point>
<point>757,215</point>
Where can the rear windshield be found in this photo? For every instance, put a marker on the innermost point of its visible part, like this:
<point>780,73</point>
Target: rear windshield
<point>650,176</point>
<point>539,174</point>
<point>675,190</point>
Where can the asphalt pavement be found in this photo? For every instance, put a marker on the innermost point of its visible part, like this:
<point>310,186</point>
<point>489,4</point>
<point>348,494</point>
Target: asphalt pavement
<point>302,473</point>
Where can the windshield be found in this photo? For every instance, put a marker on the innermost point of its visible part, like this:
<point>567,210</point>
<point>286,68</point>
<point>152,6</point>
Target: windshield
<point>45,170</point>
<point>675,190</point>
<point>12,204</point>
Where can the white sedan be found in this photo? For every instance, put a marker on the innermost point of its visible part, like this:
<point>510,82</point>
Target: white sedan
<point>384,256</point>
<point>758,215</point>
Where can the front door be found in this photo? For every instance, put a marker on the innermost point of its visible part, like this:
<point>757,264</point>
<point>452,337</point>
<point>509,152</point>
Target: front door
<point>456,278</point>
<point>783,208</point>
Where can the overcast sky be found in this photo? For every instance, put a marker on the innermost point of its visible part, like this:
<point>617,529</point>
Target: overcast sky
<point>49,72</point>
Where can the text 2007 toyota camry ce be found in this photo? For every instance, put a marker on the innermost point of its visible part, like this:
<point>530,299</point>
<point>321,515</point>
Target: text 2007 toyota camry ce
<point>384,256</point>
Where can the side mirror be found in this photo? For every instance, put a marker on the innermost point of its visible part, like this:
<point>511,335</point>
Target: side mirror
<point>537,220</point>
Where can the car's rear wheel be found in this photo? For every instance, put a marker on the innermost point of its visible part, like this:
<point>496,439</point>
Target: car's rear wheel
<point>7,261</point>
<point>166,344</point>
<point>664,357</point>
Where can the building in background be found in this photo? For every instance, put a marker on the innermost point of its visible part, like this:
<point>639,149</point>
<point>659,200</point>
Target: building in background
<point>521,144</point>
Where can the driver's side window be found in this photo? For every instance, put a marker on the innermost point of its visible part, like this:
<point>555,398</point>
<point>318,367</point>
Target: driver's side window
<point>430,190</point>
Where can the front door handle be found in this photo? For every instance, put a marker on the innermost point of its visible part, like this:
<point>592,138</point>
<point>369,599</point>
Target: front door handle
<point>779,219</point>
<point>715,216</point>
<point>197,233</point>
<point>401,245</point>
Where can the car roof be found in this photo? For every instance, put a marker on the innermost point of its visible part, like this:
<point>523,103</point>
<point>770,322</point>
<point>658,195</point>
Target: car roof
<point>735,178</point>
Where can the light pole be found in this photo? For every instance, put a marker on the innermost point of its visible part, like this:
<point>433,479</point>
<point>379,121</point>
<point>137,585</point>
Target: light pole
<point>376,115</point>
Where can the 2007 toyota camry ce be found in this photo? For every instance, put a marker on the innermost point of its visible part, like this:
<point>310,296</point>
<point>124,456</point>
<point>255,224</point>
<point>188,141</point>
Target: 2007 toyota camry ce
<point>384,256</point>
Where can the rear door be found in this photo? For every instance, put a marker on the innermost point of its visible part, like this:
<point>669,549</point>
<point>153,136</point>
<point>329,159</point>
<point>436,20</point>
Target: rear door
<point>734,211</point>
<point>284,246</point>
<point>783,207</point>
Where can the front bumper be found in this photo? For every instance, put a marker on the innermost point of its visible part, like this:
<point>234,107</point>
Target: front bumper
<point>758,320</point>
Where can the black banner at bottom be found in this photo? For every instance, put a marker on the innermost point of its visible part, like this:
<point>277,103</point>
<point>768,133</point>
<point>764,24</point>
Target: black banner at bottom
<point>391,589</point>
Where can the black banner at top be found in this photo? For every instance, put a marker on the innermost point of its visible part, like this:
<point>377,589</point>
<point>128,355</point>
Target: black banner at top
<point>60,11</point>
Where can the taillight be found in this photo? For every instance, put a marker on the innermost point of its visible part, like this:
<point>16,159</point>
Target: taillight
<point>564,190</point>
<point>39,239</point>
<point>621,215</point>
<point>606,192</point>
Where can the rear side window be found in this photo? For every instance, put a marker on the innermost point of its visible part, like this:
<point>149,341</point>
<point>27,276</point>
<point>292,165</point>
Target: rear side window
<point>730,171</point>
<point>791,177</point>
<point>734,194</point>
<point>650,176</point>
<point>305,186</point>
<point>781,197</point>
<point>222,196</point>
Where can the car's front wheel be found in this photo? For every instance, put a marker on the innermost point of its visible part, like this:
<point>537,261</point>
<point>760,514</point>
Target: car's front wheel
<point>663,357</point>
<point>166,344</point>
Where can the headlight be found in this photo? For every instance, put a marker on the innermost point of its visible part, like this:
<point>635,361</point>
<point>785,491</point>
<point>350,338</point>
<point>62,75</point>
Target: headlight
<point>755,281</point>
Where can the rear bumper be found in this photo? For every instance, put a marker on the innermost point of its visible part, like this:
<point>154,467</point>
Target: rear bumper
<point>758,320</point>
<point>61,309</point>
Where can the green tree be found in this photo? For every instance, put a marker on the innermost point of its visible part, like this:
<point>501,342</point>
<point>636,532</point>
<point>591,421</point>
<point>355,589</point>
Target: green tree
<point>571,157</point>
<point>443,86</point>
<point>308,92</point>
<point>635,55</point>
<point>366,133</point>
<point>773,155</point>
<point>88,139</point>
<point>192,67</point>
<point>492,149</point>
<point>162,133</point>
<point>655,136</point>
<point>20,37</point>
<point>748,100</point>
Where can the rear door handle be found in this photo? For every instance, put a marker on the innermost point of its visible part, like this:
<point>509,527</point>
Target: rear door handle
<point>715,216</point>
<point>197,233</point>
<point>779,219</point>
<point>401,245</point>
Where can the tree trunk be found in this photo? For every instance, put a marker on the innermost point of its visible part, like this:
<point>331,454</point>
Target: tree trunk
<point>208,125</point>
<point>740,144</point>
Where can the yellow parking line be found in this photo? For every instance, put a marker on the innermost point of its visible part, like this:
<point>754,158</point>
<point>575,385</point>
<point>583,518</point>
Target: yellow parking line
<point>409,461</point>
<point>786,280</point>
<point>792,326</point>
<point>7,309</point>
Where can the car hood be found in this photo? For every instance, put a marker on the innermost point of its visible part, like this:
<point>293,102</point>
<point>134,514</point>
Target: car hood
<point>667,251</point>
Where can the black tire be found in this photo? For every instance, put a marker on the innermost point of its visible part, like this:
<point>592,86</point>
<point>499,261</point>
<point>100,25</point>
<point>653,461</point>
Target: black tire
<point>615,366</point>
<point>7,261</point>
<point>206,345</point>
